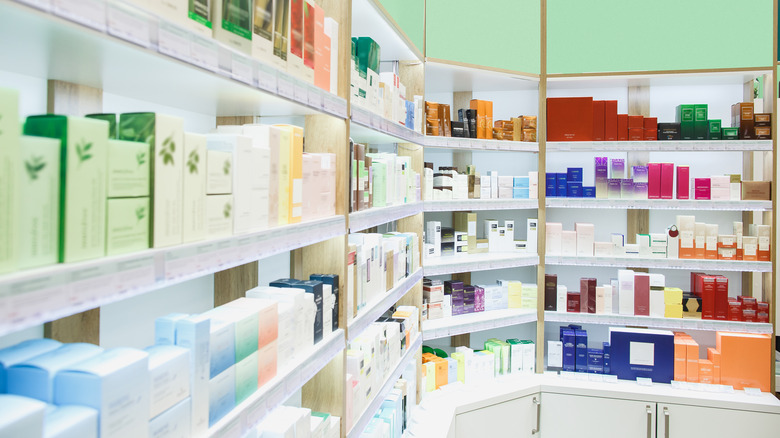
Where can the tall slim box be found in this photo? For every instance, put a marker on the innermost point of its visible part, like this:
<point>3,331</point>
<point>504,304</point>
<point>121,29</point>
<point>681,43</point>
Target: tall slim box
<point>667,180</point>
<point>610,120</point>
<point>700,126</point>
<point>10,197</point>
<point>233,24</point>
<point>599,109</point>
<point>263,30</point>
<point>294,184</point>
<point>683,181</point>
<point>194,188</point>
<point>686,117</point>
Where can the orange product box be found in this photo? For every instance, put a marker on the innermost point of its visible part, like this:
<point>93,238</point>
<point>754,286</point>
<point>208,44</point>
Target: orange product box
<point>744,359</point>
<point>622,127</point>
<point>714,356</point>
<point>692,360</point>
<point>321,51</point>
<point>650,134</point>
<point>610,120</point>
<point>705,371</point>
<point>442,372</point>
<point>650,123</point>
<point>635,122</point>
<point>488,118</point>
<point>570,119</point>
<point>479,105</point>
<point>599,109</point>
<point>680,361</point>
<point>636,134</point>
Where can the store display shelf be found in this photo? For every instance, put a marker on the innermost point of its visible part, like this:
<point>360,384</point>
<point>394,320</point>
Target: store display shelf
<point>368,127</point>
<point>369,18</point>
<point>289,380</point>
<point>476,144</point>
<point>29,298</point>
<point>658,323</point>
<point>361,220</point>
<point>659,204</point>
<point>477,262</point>
<point>378,306</point>
<point>126,51</point>
<point>666,146</point>
<point>481,205</point>
<point>475,322</point>
<point>444,76</point>
<point>687,264</point>
<point>368,413</point>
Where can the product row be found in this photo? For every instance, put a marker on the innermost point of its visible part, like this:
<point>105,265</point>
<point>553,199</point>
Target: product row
<point>687,239</point>
<point>641,294</point>
<point>395,412</point>
<point>463,239</point>
<point>381,179</point>
<point>586,119</point>
<point>448,184</point>
<point>444,299</point>
<point>652,181</point>
<point>739,360</point>
<point>477,122</point>
<point>292,422</point>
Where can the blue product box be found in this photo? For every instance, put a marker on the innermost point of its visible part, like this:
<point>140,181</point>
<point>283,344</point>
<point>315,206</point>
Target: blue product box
<point>71,421</point>
<point>581,344</point>
<point>575,326</point>
<point>520,193</point>
<point>588,192</point>
<point>574,190</point>
<point>552,190</point>
<point>560,179</point>
<point>607,361</point>
<point>285,282</point>
<point>165,328</point>
<point>569,355</point>
<point>409,114</point>
<point>574,174</point>
<point>20,352</point>
<point>595,361</point>
<point>642,353</point>
<point>521,181</point>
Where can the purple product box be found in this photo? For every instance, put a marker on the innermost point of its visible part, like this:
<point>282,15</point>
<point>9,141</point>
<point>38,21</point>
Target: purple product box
<point>569,349</point>
<point>640,190</point>
<point>468,299</point>
<point>479,299</point>
<point>627,188</point>
<point>639,174</point>
<point>618,168</point>
<point>455,289</point>
<point>613,188</point>
<point>602,174</point>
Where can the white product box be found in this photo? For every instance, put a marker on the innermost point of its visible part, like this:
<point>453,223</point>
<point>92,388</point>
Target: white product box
<point>71,421</point>
<point>602,249</point>
<point>608,299</point>
<point>194,333</point>
<point>165,328</point>
<point>554,244</point>
<point>194,188</point>
<point>585,239</point>
<point>219,172</point>
<point>568,243</point>
<point>626,292</point>
<point>700,235</point>
<point>618,244</point>
<point>555,354</point>
<point>561,298</point>
<point>169,377</point>
<point>175,422</point>
<point>532,246</point>
<point>222,394</point>
<point>711,237</point>
<point>22,417</point>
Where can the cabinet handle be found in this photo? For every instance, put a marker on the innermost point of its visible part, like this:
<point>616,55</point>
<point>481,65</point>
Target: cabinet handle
<point>538,416</point>
<point>649,421</point>
<point>666,422</point>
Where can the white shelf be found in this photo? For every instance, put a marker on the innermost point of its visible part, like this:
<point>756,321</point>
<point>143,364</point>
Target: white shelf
<point>369,18</point>
<point>658,323</point>
<point>361,220</point>
<point>481,204</point>
<point>477,262</point>
<point>446,77</point>
<point>687,264</point>
<point>32,297</point>
<point>476,144</point>
<point>474,322</point>
<point>376,308</point>
<point>287,381</point>
<point>658,204</point>
<point>376,402</point>
<point>368,127</point>
<point>182,69</point>
<point>667,146</point>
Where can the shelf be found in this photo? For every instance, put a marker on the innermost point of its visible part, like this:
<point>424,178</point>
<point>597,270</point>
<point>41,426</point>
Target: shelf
<point>481,205</point>
<point>448,77</point>
<point>32,297</point>
<point>659,204</point>
<point>711,77</point>
<point>477,262</point>
<point>474,322</point>
<point>369,18</point>
<point>375,309</point>
<point>658,323</point>
<point>148,59</point>
<point>361,220</point>
<point>289,380</point>
<point>687,264</point>
<point>360,424</point>
<point>476,144</point>
<point>367,127</point>
<point>667,146</point>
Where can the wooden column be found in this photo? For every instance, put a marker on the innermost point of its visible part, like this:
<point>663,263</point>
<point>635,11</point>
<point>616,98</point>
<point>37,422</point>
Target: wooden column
<point>74,100</point>
<point>541,136</point>
<point>638,221</point>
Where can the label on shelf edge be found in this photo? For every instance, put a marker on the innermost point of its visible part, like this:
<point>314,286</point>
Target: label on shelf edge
<point>90,13</point>
<point>204,53</point>
<point>44,5</point>
<point>284,86</point>
<point>128,25</point>
<point>266,77</point>
<point>173,41</point>
<point>241,70</point>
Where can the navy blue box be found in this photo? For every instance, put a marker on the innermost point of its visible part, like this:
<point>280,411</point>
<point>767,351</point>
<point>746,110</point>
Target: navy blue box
<point>560,179</point>
<point>569,360</point>
<point>551,180</point>
<point>574,174</point>
<point>651,350</point>
<point>607,360</point>
<point>588,192</point>
<point>574,190</point>
<point>595,361</point>
<point>581,343</point>
<point>333,281</point>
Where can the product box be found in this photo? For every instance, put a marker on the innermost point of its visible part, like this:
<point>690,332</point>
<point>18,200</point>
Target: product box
<point>581,351</point>
<point>680,359</point>
<point>128,169</point>
<point>169,377</point>
<point>569,119</point>
<point>669,131</point>
<point>713,130</point>
<point>165,135</point>
<point>742,118</point>
<point>743,359</point>
<point>194,333</point>
<point>641,294</point>
<point>622,127</point>
<point>222,394</point>
<point>642,353</point>
<point>10,174</point>
<point>263,29</point>
<point>569,349</point>
<point>219,216</point>
<point>729,133</point>
<point>246,377</point>
<point>21,352</point>
<point>115,383</point>
<point>194,188</point>
<point>219,170</point>
<point>71,421</point>
<point>756,190</point>
<point>127,225</point>
<point>174,422</point>
<point>599,110</point>
<point>585,239</point>
<point>667,180</point>
<point>700,123</point>
<point>686,119</point>
<point>22,416</point>
<point>232,24</point>
<point>83,173</point>
<point>610,120</point>
<point>626,292</point>
<point>292,190</point>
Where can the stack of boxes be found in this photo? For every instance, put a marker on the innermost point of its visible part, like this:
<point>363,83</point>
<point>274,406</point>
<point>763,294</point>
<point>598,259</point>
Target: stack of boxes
<point>288,421</point>
<point>462,239</point>
<point>381,179</point>
<point>477,122</point>
<point>443,299</point>
<point>448,183</point>
<point>571,353</point>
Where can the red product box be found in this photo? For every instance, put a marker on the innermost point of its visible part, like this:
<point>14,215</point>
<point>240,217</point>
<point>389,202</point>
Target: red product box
<point>721,297</point>
<point>707,288</point>
<point>573,302</point>
<point>584,295</point>
<point>642,295</point>
<point>695,289</point>
<point>762,307</point>
<point>762,317</point>
<point>636,122</point>
<point>598,120</point>
<point>701,188</point>
<point>610,120</point>
<point>651,123</point>
<point>683,182</point>
<point>748,303</point>
<point>636,134</point>
<point>667,180</point>
<point>622,127</point>
<point>749,315</point>
<point>735,311</point>
<point>654,181</point>
<point>569,119</point>
<point>650,135</point>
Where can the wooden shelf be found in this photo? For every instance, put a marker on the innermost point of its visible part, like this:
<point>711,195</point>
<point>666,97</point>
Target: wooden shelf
<point>658,323</point>
<point>361,220</point>
<point>481,205</point>
<point>666,146</point>
<point>658,204</point>
<point>477,262</point>
<point>375,309</point>
<point>687,264</point>
<point>474,322</point>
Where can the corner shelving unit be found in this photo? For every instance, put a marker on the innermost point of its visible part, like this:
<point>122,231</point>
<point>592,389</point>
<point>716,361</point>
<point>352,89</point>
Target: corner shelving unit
<point>658,322</point>
<point>477,262</point>
<point>475,322</point>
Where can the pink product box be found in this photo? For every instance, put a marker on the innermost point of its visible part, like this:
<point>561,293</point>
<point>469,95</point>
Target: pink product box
<point>667,180</point>
<point>654,181</point>
<point>701,188</point>
<point>683,181</point>
<point>720,188</point>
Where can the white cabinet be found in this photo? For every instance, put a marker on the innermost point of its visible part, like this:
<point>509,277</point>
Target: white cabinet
<point>567,416</point>
<point>681,421</point>
<point>514,418</point>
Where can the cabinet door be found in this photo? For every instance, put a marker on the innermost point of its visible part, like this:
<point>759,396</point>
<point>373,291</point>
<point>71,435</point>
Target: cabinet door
<point>680,421</point>
<point>567,416</point>
<point>513,418</point>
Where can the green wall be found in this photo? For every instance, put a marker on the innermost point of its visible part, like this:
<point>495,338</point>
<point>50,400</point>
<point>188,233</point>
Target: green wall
<point>633,35</point>
<point>496,33</point>
<point>410,16</point>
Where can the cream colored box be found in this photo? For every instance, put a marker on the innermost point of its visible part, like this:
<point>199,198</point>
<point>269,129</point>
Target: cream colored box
<point>194,206</point>
<point>127,225</point>
<point>9,194</point>
<point>219,171</point>
<point>263,31</point>
<point>219,216</point>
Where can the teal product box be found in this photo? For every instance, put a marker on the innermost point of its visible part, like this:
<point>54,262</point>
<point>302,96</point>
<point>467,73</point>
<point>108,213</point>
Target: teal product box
<point>21,352</point>
<point>700,125</point>
<point>194,333</point>
<point>245,324</point>
<point>165,328</point>
<point>173,423</point>
<point>685,117</point>
<point>70,421</point>
<point>246,377</point>
<point>169,377</point>
<point>222,394</point>
<point>34,377</point>
<point>521,182</point>
<point>22,416</point>
<point>116,383</point>
<point>520,193</point>
<point>333,281</point>
<point>727,133</point>
<point>713,130</point>
<point>581,346</point>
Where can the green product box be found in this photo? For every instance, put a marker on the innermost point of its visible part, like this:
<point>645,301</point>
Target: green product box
<point>685,117</point>
<point>128,169</point>
<point>515,355</point>
<point>83,180</point>
<point>39,214</point>
<point>108,117</point>
<point>246,377</point>
<point>700,121</point>
<point>165,135</point>
<point>194,208</point>
<point>232,23</point>
<point>9,194</point>
<point>729,133</point>
<point>713,130</point>
<point>127,225</point>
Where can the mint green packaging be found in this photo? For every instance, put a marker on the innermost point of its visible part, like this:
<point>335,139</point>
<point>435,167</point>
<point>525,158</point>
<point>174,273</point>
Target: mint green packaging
<point>83,169</point>
<point>108,117</point>
<point>700,126</point>
<point>9,194</point>
<point>128,169</point>
<point>246,377</point>
<point>127,225</point>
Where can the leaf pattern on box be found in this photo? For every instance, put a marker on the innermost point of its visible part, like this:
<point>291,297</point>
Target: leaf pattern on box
<point>83,151</point>
<point>167,150</point>
<point>192,161</point>
<point>226,167</point>
<point>34,167</point>
<point>140,158</point>
<point>226,211</point>
<point>140,213</point>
